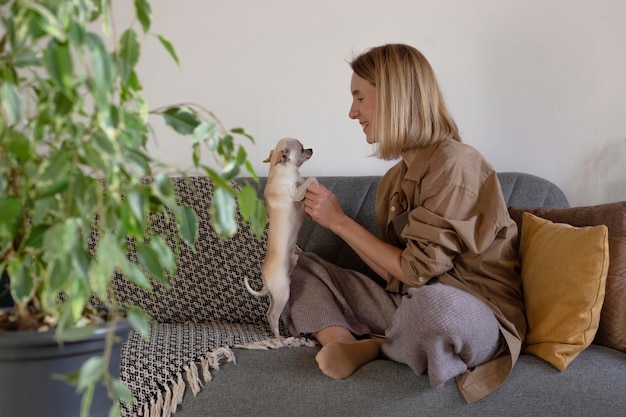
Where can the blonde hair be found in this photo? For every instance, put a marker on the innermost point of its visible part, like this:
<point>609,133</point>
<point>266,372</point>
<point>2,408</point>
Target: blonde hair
<point>410,108</point>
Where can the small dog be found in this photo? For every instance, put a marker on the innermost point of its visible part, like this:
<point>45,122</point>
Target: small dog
<point>284,192</point>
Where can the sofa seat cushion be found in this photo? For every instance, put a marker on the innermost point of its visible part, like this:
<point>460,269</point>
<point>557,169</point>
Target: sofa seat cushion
<point>287,382</point>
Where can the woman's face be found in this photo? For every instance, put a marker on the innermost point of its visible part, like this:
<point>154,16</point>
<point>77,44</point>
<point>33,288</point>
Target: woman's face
<point>363,105</point>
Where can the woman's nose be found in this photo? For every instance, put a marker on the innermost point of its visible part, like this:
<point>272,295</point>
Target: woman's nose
<point>353,113</point>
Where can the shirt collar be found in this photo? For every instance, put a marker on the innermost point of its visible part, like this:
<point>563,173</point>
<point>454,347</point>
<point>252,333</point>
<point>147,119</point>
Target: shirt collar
<point>415,161</point>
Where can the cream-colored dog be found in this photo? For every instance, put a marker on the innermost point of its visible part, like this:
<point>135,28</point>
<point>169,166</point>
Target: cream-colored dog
<point>284,192</point>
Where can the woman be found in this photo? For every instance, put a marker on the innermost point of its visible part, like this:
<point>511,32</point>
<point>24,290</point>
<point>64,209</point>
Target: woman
<point>452,305</point>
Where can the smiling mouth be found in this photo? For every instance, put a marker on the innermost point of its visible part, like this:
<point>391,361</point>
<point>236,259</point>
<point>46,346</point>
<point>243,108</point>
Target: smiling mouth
<point>364,125</point>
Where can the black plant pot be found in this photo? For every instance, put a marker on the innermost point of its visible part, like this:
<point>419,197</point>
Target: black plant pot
<point>27,362</point>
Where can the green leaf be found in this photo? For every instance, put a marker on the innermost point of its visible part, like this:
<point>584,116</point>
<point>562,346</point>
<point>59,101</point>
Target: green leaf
<point>103,75</point>
<point>149,259</point>
<point>70,378</point>
<point>10,220</point>
<point>218,181</point>
<point>76,33</point>
<point>108,256</point>
<point>181,120</point>
<point>91,372</point>
<point>87,399</point>
<point>202,131</point>
<point>116,410</point>
<point>11,102</point>
<point>22,281</point>
<point>139,321</point>
<point>259,220</point>
<point>63,104</point>
<point>170,48</point>
<point>230,170</point>
<point>61,240</point>
<point>242,131</point>
<point>104,144</point>
<point>139,160</point>
<point>53,169</point>
<point>137,203</point>
<point>128,53</point>
<point>80,262</point>
<point>143,11</point>
<point>226,146</point>
<point>34,240</point>
<point>247,200</point>
<point>26,58</point>
<point>164,254</point>
<point>132,84</point>
<point>101,61</point>
<point>164,185</point>
<point>59,64</point>
<point>136,276</point>
<point>48,22</point>
<point>188,224</point>
<point>223,217</point>
<point>121,391</point>
<point>57,186</point>
<point>58,276</point>
<point>79,294</point>
<point>251,171</point>
<point>242,155</point>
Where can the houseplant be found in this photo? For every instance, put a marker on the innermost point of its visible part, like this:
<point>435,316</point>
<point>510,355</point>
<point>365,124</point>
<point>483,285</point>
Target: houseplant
<point>74,129</point>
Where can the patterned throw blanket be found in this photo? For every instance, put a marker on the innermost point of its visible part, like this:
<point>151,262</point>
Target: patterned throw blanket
<point>181,356</point>
<point>205,313</point>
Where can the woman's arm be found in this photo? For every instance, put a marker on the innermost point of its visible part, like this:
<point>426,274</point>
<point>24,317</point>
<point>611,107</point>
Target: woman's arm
<point>322,206</point>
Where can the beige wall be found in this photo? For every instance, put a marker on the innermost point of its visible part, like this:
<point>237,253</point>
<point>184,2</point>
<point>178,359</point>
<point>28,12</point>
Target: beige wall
<point>537,86</point>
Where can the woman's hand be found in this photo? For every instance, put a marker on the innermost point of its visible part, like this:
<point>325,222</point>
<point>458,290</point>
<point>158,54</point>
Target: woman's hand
<point>321,205</point>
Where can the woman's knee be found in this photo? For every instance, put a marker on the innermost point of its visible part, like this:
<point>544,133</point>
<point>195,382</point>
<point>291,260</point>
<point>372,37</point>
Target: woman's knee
<point>442,315</point>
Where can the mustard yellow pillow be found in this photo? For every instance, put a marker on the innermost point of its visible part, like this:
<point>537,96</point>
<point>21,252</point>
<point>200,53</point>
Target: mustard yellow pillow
<point>564,271</point>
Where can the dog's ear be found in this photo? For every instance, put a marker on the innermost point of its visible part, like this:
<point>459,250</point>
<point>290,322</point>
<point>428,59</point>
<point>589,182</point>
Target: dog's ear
<point>281,158</point>
<point>269,158</point>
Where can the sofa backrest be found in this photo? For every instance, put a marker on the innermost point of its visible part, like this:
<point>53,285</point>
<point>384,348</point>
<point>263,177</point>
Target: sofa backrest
<point>357,196</point>
<point>527,190</point>
<point>209,284</point>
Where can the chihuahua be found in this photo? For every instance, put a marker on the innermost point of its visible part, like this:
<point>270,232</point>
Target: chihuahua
<point>284,192</point>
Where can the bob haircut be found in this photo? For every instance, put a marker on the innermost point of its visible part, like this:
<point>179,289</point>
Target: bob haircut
<point>410,108</point>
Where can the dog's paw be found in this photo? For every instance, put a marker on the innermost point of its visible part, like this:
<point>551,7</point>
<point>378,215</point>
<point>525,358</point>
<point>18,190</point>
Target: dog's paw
<point>302,188</point>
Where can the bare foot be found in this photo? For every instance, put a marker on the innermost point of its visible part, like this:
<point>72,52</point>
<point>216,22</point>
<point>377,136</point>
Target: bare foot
<point>341,359</point>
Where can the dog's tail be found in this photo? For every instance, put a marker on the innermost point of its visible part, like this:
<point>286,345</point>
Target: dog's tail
<point>264,291</point>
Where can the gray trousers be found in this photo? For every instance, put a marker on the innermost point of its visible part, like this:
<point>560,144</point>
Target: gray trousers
<point>434,328</point>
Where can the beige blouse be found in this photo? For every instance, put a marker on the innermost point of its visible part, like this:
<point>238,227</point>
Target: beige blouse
<point>459,232</point>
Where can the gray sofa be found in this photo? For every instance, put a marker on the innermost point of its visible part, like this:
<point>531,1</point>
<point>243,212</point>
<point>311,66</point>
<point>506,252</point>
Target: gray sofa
<point>287,382</point>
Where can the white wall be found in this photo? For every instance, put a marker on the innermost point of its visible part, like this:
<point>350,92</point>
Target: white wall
<point>536,85</point>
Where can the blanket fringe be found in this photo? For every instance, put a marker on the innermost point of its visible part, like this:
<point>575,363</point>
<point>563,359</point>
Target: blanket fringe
<point>278,343</point>
<point>193,379</point>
